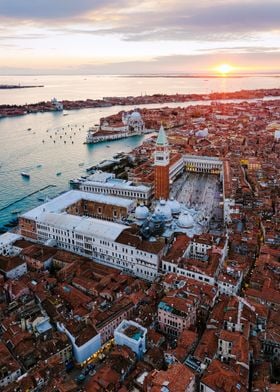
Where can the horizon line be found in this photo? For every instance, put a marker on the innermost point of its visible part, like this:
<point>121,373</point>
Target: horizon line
<point>153,74</point>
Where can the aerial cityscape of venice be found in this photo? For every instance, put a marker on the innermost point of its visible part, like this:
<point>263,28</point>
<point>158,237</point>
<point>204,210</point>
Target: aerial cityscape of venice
<point>139,196</point>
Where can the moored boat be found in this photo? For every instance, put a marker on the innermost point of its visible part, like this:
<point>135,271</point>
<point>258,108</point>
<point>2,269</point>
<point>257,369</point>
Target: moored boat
<point>15,212</point>
<point>25,175</point>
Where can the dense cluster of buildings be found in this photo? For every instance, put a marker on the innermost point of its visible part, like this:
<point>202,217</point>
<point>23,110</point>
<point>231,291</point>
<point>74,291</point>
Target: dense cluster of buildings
<point>168,281</point>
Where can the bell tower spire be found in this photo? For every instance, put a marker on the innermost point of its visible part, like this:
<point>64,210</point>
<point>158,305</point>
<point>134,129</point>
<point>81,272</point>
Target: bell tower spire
<point>161,161</point>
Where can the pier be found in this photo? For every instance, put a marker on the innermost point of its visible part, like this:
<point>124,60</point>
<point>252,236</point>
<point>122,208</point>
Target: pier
<point>113,136</point>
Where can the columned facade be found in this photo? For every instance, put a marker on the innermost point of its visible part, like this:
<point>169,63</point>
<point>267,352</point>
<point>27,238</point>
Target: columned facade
<point>203,164</point>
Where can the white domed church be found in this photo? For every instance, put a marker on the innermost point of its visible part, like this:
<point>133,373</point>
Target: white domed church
<point>133,121</point>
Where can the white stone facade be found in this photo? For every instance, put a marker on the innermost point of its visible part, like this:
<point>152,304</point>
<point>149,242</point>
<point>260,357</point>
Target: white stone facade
<point>136,343</point>
<point>97,239</point>
<point>140,193</point>
<point>83,352</point>
<point>203,164</point>
<point>17,272</point>
<point>6,244</point>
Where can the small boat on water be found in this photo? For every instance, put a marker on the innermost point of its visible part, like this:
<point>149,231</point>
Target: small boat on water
<point>15,212</point>
<point>25,175</point>
<point>58,173</point>
<point>39,165</point>
<point>108,146</point>
<point>81,164</point>
<point>29,129</point>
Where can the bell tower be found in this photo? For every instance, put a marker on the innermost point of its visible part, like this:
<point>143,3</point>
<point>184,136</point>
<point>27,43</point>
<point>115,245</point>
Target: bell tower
<point>161,166</point>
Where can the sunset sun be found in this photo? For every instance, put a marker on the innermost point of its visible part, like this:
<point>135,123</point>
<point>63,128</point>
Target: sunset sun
<point>224,69</point>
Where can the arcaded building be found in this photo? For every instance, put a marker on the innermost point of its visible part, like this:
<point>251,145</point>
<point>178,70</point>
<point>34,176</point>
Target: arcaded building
<point>60,222</point>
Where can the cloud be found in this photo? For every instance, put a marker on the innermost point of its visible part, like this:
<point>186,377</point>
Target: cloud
<point>173,64</point>
<point>241,49</point>
<point>207,20</point>
<point>150,19</point>
<point>22,36</point>
<point>49,9</point>
<point>8,46</point>
<point>184,64</point>
<point>116,29</point>
<point>220,21</point>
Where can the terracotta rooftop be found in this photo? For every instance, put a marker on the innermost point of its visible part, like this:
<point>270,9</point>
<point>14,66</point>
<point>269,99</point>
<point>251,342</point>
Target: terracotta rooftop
<point>177,378</point>
<point>207,346</point>
<point>178,248</point>
<point>7,363</point>
<point>23,244</point>
<point>222,378</point>
<point>39,252</point>
<point>177,305</point>
<point>9,263</point>
<point>81,331</point>
<point>129,237</point>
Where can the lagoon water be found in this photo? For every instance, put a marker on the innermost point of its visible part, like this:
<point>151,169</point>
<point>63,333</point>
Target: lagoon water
<point>23,150</point>
<point>91,86</point>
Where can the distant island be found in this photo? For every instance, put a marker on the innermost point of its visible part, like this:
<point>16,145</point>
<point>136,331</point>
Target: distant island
<point>49,106</point>
<point>187,76</point>
<point>12,86</point>
<point>200,76</point>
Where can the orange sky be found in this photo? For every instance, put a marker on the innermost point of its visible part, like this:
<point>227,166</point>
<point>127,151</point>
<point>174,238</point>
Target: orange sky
<point>128,36</point>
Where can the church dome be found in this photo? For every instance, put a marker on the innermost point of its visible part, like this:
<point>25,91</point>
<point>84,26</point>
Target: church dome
<point>185,220</point>
<point>163,209</point>
<point>202,133</point>
<point>174,205</point>
<point>135,116</point>
<point>141,212</point>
